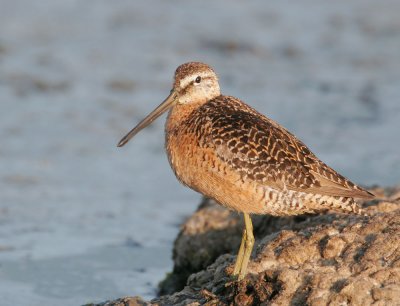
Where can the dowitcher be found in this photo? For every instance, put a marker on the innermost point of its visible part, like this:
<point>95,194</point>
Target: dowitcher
<point>226,150</point>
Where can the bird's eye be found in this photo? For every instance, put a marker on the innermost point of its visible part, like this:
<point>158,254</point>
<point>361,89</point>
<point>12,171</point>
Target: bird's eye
<point>198,80</point>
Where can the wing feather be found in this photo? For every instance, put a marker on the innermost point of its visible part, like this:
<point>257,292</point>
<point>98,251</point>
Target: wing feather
<point>261,150</point>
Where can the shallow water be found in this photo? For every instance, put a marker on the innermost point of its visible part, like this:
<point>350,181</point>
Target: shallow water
<point>81,220</point>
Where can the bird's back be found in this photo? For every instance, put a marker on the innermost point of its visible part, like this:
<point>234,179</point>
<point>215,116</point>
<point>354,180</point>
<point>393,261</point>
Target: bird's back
<point>242,156</point>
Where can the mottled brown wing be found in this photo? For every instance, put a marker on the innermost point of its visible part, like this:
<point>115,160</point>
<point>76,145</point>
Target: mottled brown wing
<point>260,149</point>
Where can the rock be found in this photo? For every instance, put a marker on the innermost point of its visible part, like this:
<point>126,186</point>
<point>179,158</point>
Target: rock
<point>309,260</point>
<point>211,231</point>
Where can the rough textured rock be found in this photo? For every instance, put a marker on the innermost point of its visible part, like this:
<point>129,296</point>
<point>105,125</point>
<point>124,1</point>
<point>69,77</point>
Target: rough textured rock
<point>213,230</point>
<point>327,259</point>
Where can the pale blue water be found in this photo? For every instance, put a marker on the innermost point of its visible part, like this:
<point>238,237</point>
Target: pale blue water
<point>81,220</point>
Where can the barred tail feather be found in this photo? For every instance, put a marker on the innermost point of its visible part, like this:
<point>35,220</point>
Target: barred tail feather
<point>341,204</point>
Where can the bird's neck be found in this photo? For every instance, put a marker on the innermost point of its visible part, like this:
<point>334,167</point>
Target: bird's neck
<point>178,114</point>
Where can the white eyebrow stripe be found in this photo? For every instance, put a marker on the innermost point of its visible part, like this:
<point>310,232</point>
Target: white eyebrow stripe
<point>190,78</point>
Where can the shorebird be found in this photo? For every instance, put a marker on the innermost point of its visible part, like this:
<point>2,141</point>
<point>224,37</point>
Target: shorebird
<point>222,148</point>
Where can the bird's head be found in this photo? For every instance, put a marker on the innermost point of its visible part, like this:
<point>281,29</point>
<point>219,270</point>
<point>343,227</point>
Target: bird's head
<point>194,82</point>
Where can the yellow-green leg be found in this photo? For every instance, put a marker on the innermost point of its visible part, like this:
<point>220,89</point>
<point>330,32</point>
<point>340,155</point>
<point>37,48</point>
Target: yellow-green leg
<point>246,247</point>
<point>239,257</point>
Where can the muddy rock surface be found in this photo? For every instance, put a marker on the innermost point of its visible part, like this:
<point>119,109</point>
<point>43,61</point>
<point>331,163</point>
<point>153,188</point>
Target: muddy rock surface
<point>308,260</point>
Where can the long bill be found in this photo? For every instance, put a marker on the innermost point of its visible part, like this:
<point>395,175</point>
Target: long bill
<point>163,107</point>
